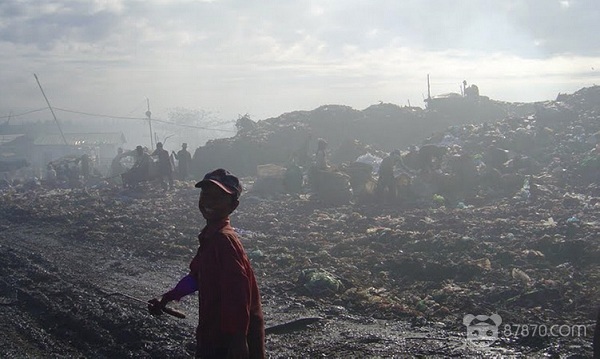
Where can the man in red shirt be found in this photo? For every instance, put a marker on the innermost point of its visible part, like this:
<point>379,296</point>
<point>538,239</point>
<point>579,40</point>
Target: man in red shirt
<point>230,319</point>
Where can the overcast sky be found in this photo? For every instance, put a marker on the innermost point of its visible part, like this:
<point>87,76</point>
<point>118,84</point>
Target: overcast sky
<point>268,57</point>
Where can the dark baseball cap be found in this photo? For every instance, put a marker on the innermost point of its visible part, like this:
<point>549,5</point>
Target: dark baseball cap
<point>224,179</point>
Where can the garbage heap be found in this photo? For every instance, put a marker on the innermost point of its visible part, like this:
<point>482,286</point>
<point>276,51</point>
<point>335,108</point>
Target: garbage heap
<point>293,136</point>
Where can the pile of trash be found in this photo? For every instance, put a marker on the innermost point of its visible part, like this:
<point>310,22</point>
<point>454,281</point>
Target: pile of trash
<point>526,248</point>
<point>351,133</point>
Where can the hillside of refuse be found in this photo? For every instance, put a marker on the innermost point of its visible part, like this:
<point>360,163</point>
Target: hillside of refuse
<point>385,280</point>
<point>349,132</point>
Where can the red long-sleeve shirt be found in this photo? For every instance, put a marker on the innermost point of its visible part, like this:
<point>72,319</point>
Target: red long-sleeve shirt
<point>228,293</point>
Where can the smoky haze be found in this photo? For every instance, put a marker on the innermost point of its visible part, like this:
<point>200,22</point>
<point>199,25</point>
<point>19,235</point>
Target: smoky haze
<point>232,58</point>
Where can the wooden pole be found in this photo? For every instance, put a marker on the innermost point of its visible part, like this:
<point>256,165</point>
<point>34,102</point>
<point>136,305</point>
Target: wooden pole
<point>149,114</point>
<point>51,110</point>
<point>428,88</point>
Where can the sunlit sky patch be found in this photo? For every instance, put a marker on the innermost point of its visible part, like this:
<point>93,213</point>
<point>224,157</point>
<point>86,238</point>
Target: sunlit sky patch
<point>265,58</point>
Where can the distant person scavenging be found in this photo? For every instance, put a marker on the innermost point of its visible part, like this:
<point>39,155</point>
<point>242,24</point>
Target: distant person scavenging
<point>165,168</point>
<point>185,159</point>
<point>320,155</point>
<point>386,183</point>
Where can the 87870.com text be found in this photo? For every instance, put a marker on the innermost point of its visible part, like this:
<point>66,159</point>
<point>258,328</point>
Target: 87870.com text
<point>543,330</point>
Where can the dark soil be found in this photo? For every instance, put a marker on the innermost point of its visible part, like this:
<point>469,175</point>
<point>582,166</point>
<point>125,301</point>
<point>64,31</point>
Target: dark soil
<point>408,276</point>
<point>522,244</point>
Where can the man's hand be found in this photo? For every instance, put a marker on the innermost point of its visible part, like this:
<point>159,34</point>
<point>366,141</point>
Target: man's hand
<point>155,306</point>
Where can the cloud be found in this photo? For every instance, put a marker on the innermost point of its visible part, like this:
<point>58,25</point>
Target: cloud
<point>48,24</point>
<point>275,56</point>
<point>526,28</point>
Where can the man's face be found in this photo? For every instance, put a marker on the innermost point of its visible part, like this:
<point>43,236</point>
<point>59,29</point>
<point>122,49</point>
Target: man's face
<point>214,203</point>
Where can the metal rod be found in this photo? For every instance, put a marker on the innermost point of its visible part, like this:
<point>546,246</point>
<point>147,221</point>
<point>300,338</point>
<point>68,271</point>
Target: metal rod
<point>167,310</point>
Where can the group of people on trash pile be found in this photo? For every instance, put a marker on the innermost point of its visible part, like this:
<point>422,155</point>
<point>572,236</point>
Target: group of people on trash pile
<point>72,172</point>
<point>66,172</point>
<point>128,168</point>
<point>432,173</point>
<point>159,165</point>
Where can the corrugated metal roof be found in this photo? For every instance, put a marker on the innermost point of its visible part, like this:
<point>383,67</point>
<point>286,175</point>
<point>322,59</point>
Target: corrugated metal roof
<point>448,95</point>
<point>4,139</point>
<point>81,139</point>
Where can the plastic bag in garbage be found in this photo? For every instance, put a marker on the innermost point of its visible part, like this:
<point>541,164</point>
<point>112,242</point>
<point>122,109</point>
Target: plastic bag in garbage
<point>319,281</point>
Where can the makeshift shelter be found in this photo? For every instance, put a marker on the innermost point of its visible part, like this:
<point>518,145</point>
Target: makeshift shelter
<point>15,151</point>
<point>101,146</point>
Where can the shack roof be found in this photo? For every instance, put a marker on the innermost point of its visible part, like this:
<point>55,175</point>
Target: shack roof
<point>81,139</point>
<point>449,95</point>
<point>6,139</point>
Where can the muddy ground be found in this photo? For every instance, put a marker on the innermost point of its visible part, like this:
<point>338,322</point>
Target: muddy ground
<point>405,278</point>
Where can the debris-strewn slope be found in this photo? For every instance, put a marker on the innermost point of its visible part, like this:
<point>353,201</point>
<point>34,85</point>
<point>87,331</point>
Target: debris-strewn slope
<point>383,126</point>
<point>534,260</point>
